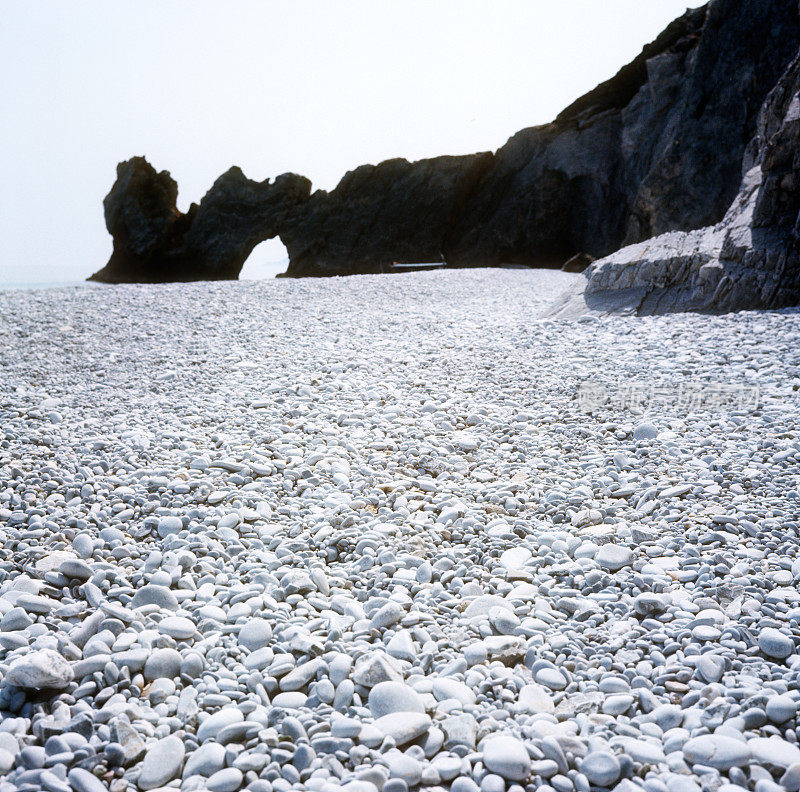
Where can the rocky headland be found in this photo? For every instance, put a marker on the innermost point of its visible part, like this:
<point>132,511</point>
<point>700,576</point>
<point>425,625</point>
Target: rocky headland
<point>658,149</point>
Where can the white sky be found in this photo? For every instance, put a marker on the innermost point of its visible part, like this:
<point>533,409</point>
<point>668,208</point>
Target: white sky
<point>315,87</point>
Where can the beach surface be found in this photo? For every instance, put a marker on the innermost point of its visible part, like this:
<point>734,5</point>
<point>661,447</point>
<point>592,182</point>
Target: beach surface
<point>387,532</point>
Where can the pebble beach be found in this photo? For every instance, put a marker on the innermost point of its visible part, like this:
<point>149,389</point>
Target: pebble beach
<point>388,533</point>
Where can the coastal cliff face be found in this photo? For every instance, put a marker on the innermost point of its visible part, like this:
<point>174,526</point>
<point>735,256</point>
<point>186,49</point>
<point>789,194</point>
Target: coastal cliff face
<point>750,260</point>
<point>658,148</point>
<point>395,211</point>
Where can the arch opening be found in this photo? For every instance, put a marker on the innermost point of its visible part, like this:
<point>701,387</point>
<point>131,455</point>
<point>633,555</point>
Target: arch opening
<point>268,259</point>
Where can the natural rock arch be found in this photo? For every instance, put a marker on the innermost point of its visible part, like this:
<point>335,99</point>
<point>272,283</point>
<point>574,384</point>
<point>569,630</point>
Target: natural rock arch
<point>154,242</point>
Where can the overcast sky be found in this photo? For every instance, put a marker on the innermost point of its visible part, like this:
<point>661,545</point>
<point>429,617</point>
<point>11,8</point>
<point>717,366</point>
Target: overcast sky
<point>312,87</point>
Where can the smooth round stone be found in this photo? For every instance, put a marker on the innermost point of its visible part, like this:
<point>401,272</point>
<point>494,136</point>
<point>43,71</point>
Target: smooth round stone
<point>614,684</point>
<point>345,727</point>
<point>614,557</point>
<point>325,691</point>
<point>75,569</point>
<point>424,573</point>
<point>447,766</point>
<point>516,557</point>
<point>261,658</point>
<point>230,520</point>
<point>227,780</point>
<point>481,606</point>
<point>339,668</point>
<point>774,751</point>
<point>781,709</point>
<point>601,768</point>
<point>617,704</point>
<point>791,778</point>
<point>33,603</point>
<point>213,612</point>
<point>667,716</point>
<point>255,634</point>
<point>493,783</point>
<point>162,763</point>
<point>83,781</point>
<point>154,595</point>
<point>447,688</point>
<point>710,667</point>
<point>644,431</point>
<point>775,644</point>
<point>506,756</point>
<point>111,534</point>
<point>192,665</point>
<point>161,577</point>
<point>642,751</point>
<point>206,760</point>
<point>476,653</point>
<point>403,727</point>
<point>7,759</point>
<point>15,620</point>
<point>402,766</point>
<point>551,678</point>
<point>388,697</point>
<point>648,604</point>
<point>706,633</point>
<point>167,526</point>
<point>178,627</point>
<point>290,700</point>
<point>464,784</point>
<point>304,755</point>
<point>83,545</point>
<point>41,670</point>
<point>8,742</point>
<point>214,723</point>
<point>163,663</point>
<point>161,689</point>
<point>716,750</point>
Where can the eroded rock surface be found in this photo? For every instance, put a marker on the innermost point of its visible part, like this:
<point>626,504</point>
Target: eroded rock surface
<point>154,242</point>
<point>747,261</point>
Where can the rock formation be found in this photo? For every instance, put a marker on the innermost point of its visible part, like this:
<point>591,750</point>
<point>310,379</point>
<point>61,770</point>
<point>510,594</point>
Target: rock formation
<point>750,260</point>
<point>658,148</point>
<point>395,211</point>
<point>156,243</point>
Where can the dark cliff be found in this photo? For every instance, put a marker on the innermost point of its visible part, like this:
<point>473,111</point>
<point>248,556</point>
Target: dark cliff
<point>395,211</point>
<point>659,147</point>
<point>156,243</point>
<point>749,260</point>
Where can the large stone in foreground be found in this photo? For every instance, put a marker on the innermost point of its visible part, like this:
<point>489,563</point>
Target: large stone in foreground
<point>403,727</point>
<point>162,762</point>
<point>507,756</point>
<point>388,697</point>
<point>717,750</point>
<point>41,670</point>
